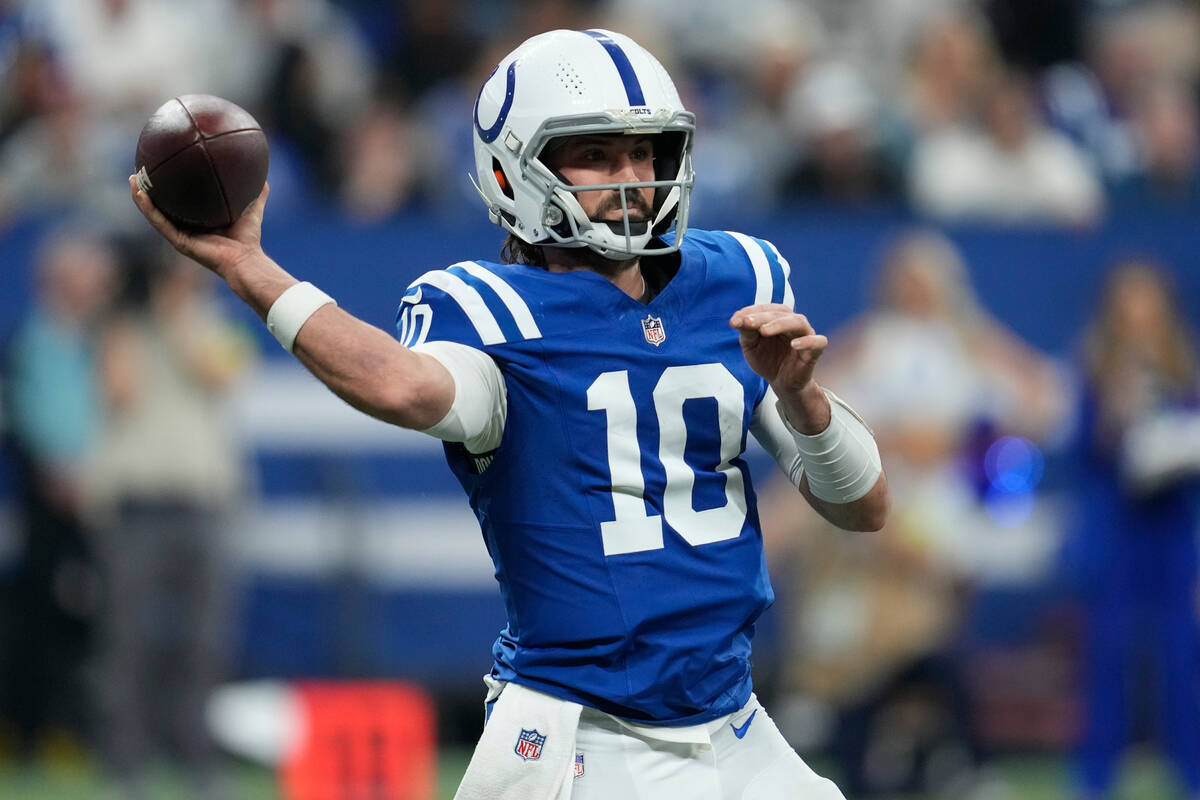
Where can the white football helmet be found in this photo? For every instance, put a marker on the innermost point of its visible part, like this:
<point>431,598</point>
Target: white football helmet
<point>567,83</point>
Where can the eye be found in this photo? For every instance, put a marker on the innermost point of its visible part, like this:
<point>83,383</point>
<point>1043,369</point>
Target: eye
<point>589,155</point>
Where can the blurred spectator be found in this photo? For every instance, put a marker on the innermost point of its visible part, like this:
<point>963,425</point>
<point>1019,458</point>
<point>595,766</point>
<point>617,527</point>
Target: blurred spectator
<point>1134,546</point>
<point>320,78</point>
<point>707,34</point>
<point>53,409</point>
<point>110,63</point>
<point>293,113</point>
<point>46,164</point>
<point>952,63</point>
<point>876,617</point>
<point>751,148</point>
<point>1145,39</point>
<point>877,36</point>
<point>130,56</point>
<point>379,154</point>
<point>1035,34</point>
<point>1078,105</point>
<point>1127,48</point>
<point>834,115</point>
<point>33,82</point>
<point>435,46</point>
<point>1010,169</point>
<point>165,477</point>
<point>1167,129</point>
<point>445,143</point>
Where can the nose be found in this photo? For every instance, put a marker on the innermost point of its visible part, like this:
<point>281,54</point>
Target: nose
<point>624,170</point>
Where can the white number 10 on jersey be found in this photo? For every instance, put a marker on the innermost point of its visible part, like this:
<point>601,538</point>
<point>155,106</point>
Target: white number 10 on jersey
<point>634,530</point>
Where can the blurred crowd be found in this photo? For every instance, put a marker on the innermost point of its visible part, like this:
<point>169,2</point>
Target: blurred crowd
<point>115,615</point>
<point>998,110</point>
<point>895,659</point>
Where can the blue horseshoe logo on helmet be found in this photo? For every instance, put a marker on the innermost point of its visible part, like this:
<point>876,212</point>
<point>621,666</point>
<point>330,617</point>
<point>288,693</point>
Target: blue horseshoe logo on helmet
<point>491,133</point>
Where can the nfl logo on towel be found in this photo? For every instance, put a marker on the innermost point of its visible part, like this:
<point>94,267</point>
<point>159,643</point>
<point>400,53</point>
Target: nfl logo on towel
<point>529,744</point>
<point>653,328</point>
<point>579,765</point>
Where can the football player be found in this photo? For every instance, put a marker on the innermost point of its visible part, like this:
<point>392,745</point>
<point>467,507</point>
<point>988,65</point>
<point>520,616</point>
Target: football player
<point>594,393</point>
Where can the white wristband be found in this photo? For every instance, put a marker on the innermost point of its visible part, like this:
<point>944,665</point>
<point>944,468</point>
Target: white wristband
<point>842,462</point>
<point>292,309</point>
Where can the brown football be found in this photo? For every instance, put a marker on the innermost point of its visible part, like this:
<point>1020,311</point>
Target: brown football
<point>203,160</point>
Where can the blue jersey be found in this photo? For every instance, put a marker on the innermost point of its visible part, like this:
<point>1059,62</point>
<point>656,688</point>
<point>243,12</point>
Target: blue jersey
<point>618,509</point>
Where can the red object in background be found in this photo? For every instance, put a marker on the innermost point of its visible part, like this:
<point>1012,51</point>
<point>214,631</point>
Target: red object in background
<point>363,741</point>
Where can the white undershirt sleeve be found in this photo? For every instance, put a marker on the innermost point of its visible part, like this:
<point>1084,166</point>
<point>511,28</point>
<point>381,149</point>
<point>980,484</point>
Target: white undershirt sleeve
<point>480,406</point>
<point>769,430</point>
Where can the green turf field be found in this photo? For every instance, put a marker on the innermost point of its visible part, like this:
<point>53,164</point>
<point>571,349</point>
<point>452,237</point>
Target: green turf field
<point>1012,778</point>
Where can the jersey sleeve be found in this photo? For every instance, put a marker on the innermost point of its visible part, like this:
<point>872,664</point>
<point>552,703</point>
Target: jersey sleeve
<point>772,272</point>
<point>437,307</point>
<point>444,315</point>
<point>468,303</point>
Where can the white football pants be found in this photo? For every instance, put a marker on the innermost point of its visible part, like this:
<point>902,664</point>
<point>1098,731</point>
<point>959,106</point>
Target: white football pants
<point>739,757</point>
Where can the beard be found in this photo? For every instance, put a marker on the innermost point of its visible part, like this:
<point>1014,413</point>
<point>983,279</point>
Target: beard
<point>640,214</point>
<point>635,201</point>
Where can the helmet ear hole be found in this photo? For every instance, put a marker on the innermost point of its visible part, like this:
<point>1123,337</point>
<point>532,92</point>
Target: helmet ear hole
<point>501,178</point>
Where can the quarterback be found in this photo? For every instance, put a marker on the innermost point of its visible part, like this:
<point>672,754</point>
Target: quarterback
<point>594,392</point>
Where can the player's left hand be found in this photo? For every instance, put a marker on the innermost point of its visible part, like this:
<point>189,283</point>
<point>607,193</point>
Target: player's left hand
<point>779,344</point>
<point>782,346</point>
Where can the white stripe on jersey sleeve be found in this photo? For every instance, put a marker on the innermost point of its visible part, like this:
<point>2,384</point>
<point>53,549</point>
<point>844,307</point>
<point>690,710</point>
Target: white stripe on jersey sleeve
<point>469,300</point>
<point>789,297</point>
<point>512,300</point>
<point>762,270</point>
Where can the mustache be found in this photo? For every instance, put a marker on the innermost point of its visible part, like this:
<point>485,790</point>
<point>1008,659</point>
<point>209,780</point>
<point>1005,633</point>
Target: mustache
<point>634,201</point>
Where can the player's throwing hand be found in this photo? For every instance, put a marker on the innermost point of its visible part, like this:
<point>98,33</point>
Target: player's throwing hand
<point>212,250</point>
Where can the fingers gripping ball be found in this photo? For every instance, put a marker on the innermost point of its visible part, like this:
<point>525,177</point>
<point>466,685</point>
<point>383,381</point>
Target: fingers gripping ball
<point>202,160</point>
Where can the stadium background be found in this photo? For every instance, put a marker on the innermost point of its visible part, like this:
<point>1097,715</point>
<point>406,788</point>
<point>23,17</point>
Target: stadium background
<point>357,556</point>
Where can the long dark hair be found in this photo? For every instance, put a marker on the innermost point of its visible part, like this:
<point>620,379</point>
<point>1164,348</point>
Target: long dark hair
<point>519,251</point>
<point>1166,349</point>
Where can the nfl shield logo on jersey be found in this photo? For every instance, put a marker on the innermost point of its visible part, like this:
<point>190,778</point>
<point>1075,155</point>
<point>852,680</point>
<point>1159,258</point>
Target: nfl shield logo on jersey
<point>579,765</point>
<point>529,744</point>
<point>653,328</point>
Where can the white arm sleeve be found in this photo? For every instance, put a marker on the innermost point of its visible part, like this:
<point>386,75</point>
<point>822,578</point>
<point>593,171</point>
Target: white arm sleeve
<point>842,461</point>
<point>770,431</point>
<point>480,399</point>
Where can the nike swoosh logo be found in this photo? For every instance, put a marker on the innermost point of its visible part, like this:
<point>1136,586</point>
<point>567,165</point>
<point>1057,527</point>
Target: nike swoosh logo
<point>740,732</point>
<point>413,298</point>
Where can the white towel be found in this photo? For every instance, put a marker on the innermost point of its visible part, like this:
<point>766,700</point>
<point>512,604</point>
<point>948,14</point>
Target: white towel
<point>527,751</point>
